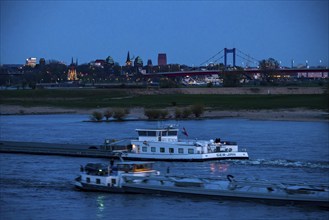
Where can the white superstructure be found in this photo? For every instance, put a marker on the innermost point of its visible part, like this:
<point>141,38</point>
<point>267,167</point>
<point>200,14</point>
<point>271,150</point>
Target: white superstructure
<point>163,144</point>
<point>109,178</point>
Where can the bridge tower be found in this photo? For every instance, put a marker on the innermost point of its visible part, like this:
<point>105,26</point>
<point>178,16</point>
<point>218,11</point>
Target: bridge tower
<point>226,51</point>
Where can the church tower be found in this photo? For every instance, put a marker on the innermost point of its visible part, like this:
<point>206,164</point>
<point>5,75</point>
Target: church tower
<point>72,74</point>
<point>128,61</point>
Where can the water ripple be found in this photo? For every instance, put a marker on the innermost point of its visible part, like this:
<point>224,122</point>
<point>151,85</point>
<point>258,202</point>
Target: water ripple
<point>284,163</point>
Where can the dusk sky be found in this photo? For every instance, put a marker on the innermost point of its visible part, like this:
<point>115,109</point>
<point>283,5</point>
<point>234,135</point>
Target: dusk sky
<point>189,32</point>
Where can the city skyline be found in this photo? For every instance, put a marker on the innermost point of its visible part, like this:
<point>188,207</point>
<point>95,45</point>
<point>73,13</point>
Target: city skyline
<point>188,32</point>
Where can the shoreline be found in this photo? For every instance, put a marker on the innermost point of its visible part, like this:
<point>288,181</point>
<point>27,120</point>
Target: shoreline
<point>138,113</point>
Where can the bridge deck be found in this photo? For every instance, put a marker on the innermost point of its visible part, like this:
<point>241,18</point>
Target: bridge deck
<point>245,71</point>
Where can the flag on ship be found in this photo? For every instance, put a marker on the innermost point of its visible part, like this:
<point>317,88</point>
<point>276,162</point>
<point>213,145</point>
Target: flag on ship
<point>185,132</point>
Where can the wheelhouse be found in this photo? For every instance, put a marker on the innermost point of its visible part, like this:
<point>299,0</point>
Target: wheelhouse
<point>135,167</point>
<point>165,135</point>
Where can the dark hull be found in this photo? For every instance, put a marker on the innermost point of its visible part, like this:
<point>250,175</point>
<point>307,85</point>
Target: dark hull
<point>94,188</point>
<point>218,196</point>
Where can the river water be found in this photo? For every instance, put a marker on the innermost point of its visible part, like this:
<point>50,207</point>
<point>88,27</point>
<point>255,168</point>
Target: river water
<point>40,187</point>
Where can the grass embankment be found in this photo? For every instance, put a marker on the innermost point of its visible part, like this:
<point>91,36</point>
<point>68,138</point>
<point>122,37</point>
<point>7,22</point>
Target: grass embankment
<point>94,98</point>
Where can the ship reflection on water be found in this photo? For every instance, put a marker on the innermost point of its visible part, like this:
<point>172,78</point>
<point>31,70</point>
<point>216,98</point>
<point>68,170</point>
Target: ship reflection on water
<point>100,206</point>
<point>219,168</point>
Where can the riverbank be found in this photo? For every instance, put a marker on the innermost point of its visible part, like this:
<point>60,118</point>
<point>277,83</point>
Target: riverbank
<point>295,114</point>
<point>259,103</point>
<point>232,91</point>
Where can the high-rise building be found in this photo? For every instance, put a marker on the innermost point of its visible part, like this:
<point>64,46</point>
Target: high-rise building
<point>162,59</point>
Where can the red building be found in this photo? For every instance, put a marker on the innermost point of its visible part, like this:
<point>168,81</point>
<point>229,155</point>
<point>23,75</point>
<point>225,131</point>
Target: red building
<point>162,59</point>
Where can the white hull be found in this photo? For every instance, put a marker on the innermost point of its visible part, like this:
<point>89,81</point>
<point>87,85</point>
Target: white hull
<point>186,157</point>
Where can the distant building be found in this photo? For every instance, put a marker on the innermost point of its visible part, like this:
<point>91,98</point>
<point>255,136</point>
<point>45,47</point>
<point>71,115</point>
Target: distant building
<point>149,62</point>
<point>162,59</point>
<point>72,74</point>
<point>149,66</point>
<point>42,62</point>
<point>109,61</point>
<point>31,62</point>
<point>99,63</point>
<point>312,75</point>
<point>138,62</point>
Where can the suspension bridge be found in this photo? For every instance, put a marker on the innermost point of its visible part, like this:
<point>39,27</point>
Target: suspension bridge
<point>222,57</point>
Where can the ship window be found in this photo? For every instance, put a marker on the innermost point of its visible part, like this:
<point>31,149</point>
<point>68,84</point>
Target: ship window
<point>113,181</point>
<point>88,180</point>
<point>144,149</point>
<point>142,133</point>
<point>162,150</point>
<point>151,133</point>
<point>171,150</point>
<point>191,151</point>
<point>98,181</point>
<point>152,149</point>
<point>164,133</point>
<point>180,150</point>
<point>172,133</point>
